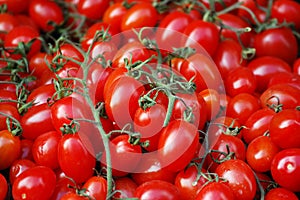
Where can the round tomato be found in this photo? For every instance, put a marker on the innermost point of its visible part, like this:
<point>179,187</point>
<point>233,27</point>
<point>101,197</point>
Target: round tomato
<point>216,191</point>
<point>3,186</point>
<point>95,187</point>
<point>93,10</point>
<point>35,183</point>
<point>126,188</point>
<point>114,14</point>
<point>280,194</point>
<point>18,167</point>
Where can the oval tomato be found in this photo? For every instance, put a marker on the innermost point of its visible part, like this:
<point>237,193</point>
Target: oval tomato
<point>18,167</point>
<point>95,187</point>
<point>216,191</point>
<point>93,10</point>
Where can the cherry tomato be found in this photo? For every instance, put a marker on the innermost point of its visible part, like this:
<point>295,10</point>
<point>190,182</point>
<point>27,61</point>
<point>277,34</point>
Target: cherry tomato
<point>44,12</point>
<point>70,148</point>
<point>3,186</point>
<point>114,14</point>
<point>280,194</point>
<point>10,147</point>
<point>157,189</point>
<point>38,63</point>
<point>18,167</point>
<point>126,188</point>
<point>285,169</point>
<point>285,77</point>
<point>283,128</point>
<point>8,110</point>
<point>177,144</point>
<point>138,16</point>
<point>212,100</point>
<point>41,94</point>
<point>95,187</point>
<point>16,6</point>
<point>35,183</point>
<point>277,42</point>
<point>260,153</point>
<point>240,178</point>
<point>7,23</point>
<point>216,191</point>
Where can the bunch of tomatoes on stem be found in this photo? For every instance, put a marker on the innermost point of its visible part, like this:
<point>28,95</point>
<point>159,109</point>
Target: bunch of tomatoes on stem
<point>149,99</point>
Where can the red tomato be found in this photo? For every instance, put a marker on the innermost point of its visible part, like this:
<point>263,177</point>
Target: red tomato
<point>219,5</point>
<point>260,153</point>
<point>26,149</point>
<point>16,6</point>
<point>216,191</point>
<point>10,111</point>
<point>18,167</point>
<point>285,78</point>
<point>10,147</point>
<point>228,56</point>
<point>157,189</point>
<point>38,63</point>
<point>242,106</point>
<point>114,14</point>
<point>282,94</point>
<point>126,188</point>
<point>43,12</point>
<point>138,16</point>
<point>277,42</point>
<point>240,178</point>
<point>203,33</point>
<point>3,186</point>
<point>296,67</point>
<point>212,100</point>
<point>185,182</point>
<point>70,148</point>
<point>41,94</point>
<point>285,169</point>
<point>177,145</point>
<point>286,11</point>
<point>36,121</point>
<point>240,80</point>
<point>92,9</point>
<point>62,187</point>
<point>257,124</point>
<point>22,34</point>
<point>41,181</point>
<point>264,68</point>
<point>95,187</point>
<point>7,23</point>
<point>283,129</point>
<point>44,149</point>
<point>280,194</point>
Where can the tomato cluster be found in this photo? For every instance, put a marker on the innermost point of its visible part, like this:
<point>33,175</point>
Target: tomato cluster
<point>112,99</point>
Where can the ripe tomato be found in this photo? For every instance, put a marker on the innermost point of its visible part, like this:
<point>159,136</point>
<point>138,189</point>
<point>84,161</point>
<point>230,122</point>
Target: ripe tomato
<point>10,147</point>
<point>62,187</point>
<point>3,186</point>
<point>36,121</point>
<point>157,189</point>
<point>35,183</point>
<point>26,149</point>
<point>177,144</point>
<point>16,6</point>
<point>280,194</point>
<point>257,124</point>
<point>216,191</point>
<point>126,188</point>
<point>277,42</point>
<point>44,149</point>
<point>95,187</point>
<point>43,12</point>
<point>139,15</point>
<point>92,9</point>
<point>70,148</point>
<point>260,153</point>
<point>242,106</point>
<point>282,94</point>
<point>38,63</point>
<point>240,178</point>
<point>185,182</point>
<point>212,100</point>
<point>285,77</point>
<point>7,23</point>
<point>264,68</point>
<point>285,169</point>
<point>283,129</point>
<point>18,167</point>
<point>23,34</point>
<point>114,14</point>
<point>8,110</point>
<point>41,94</point>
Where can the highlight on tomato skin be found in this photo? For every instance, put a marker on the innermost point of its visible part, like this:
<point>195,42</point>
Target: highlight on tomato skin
<point>144,99</point>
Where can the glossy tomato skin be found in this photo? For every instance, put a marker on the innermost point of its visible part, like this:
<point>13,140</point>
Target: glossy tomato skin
<point>216,191</point>
<point>157,189</point>
<point>280,194</point>
<point>284,94</point>
<point>284,128</point>
<point>185,182</point>
<point>36,121</point>
<point>10,146</point>
<point>41,181</point>
<point>285,169</point>
<point>16,6</point>
<point>240,178</point>
<point>96,187</point>
<point>277,42</point>
<point>7,23</point>
<point>114,14</point>
<point>3,186</point>
<point>41,94</point>
<point>38,63</point>
<point>92,9</point>
<point>264,68</point>
<point>257,124</point>
<point>18,167</point>
<point>178,144</point>
<point>242,106</point>
<point>260,153</point>
<point>9,110</point>
<point>126,186</point>
<point>138,16</point>
<point>42,12</point>
<point>285,77</point>
<point>70,148</point>
<point>44,149</point>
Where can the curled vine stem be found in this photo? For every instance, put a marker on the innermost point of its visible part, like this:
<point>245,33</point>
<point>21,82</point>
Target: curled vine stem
<point>13,125</point>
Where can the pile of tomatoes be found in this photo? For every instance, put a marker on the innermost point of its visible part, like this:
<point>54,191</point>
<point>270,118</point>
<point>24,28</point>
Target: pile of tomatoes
<point>136,99</point>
